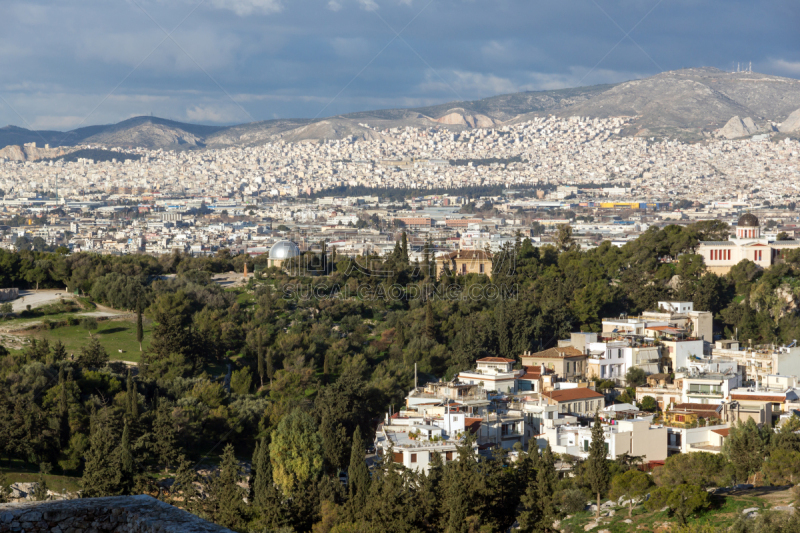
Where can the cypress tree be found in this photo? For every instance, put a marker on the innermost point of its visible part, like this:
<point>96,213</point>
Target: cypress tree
<point>400,335</point>
<point>546,479</point>
<point>404,247</point>
<point>165,440</point>
<point>227,502</point>
<point>597,470</point>
<point>357,476</point>
<point>270,367</point>
<point>430,323</point>
<point>63,409</point>
<point>139,324</point>
<point>264,495</point>
<point>93,355</point>
<point>125,458</point>
<point>101,475</point>
<point>262,369</point>
<point>131,398</point>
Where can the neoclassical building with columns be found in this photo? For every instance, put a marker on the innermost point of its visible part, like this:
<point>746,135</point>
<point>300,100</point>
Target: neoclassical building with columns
<point>720,256</point>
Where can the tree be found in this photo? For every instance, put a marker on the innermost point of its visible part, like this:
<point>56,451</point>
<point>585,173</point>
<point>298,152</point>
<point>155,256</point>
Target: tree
<point>430,322</point>
<point>164,444</point>
<point>635,377</point>
<point>139,325</point>
<point>564,239</point>
<point>241,381</point>
<point>702,469</point>
<point>630,485</point>
<point>782,466</point>
<point>357,476</point>
<point>40,491</point>
<point>682,500</point>
<point>58,352</point>
<point>5,488</point>
<point>93,355</point>
<point>783,236</point>
<point>227,505</point>
<point>648,404</point>
<point>404,247</point>
<point>262,367</point>
<point>185,478</point>
<point>745,448</point>
<point>101,474</point>
<point>125,461</point>
<point>597,469</point>
<point>131,398</point>
<point>296,452</point>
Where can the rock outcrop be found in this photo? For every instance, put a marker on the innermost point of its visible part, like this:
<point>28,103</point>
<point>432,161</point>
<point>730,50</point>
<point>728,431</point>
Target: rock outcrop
<point>119,514</point>
<point>459,118</point>
<point>791,124</point>
<point>736,127</point>
<point>30,152</point>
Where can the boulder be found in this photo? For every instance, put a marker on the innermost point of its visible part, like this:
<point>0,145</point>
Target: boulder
<point>750,510</point>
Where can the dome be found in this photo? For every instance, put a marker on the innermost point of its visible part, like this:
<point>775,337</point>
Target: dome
<point>748,221</point>
<point>284,250</point>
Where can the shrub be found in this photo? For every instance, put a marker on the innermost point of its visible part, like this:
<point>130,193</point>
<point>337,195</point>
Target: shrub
<point>89,323</point>
<point>573,501</point>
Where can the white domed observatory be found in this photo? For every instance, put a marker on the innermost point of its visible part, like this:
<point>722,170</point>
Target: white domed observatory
<point>281,251</point>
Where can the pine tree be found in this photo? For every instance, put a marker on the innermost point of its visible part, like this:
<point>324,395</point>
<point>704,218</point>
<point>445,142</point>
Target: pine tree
<point>430,323</point>
<point>404,247</point>
<point>131,398</point>
<point>226,496</point>
<point>183,485</point>
<point>139,324</point>
<point>58,352</point>
<point>93,355</point>
<point>63,409</point>
<point>125,461</point>
<point>357,476</point>
<point>164,438</point>
<point>597,470</point>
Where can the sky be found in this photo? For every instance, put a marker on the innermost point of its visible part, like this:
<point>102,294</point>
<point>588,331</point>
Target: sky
<point>66,64</point>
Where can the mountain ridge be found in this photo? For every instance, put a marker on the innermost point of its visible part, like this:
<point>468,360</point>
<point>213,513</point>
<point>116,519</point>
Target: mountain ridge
<point>688,104</point>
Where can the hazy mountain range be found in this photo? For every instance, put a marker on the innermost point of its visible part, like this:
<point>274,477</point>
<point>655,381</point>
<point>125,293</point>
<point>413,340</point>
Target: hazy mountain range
<point>686,104</point>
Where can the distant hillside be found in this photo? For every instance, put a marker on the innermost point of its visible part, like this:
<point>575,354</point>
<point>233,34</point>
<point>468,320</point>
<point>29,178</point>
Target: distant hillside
<point>687,104</point>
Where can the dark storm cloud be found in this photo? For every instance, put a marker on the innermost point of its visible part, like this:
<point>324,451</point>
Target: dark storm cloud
<point>66,64</point>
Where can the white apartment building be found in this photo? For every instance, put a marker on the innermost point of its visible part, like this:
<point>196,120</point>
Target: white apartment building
<point>493,374</point>
<point>636,437</point>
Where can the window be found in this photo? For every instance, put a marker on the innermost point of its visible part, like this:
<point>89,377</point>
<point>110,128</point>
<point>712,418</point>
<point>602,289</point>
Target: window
<point>455,418</point>
<point>397,457</point>
<point>481,268</point>
<point>413,458</point>
<point>448,456</point>
<point>586,445</point>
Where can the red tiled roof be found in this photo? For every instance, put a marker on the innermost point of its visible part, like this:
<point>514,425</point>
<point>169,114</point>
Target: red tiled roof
<point>723,432</point>
<point>557,353</point>
<point>472,424</point>
<point>496,360</point>
<point>759,397</point>
<point>569,395</point>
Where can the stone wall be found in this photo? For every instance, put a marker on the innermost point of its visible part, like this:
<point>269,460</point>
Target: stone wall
<point>122,514</point>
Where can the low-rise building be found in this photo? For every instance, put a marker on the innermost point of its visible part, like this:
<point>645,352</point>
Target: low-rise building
<point>566,362</point>
<point>578,401</point>
<point>493,374</point>
<point>637,437</point>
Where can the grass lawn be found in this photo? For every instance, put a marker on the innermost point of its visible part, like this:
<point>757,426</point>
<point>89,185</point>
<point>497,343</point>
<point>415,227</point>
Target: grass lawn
<point>113,335</point>
<point>19,472</point>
